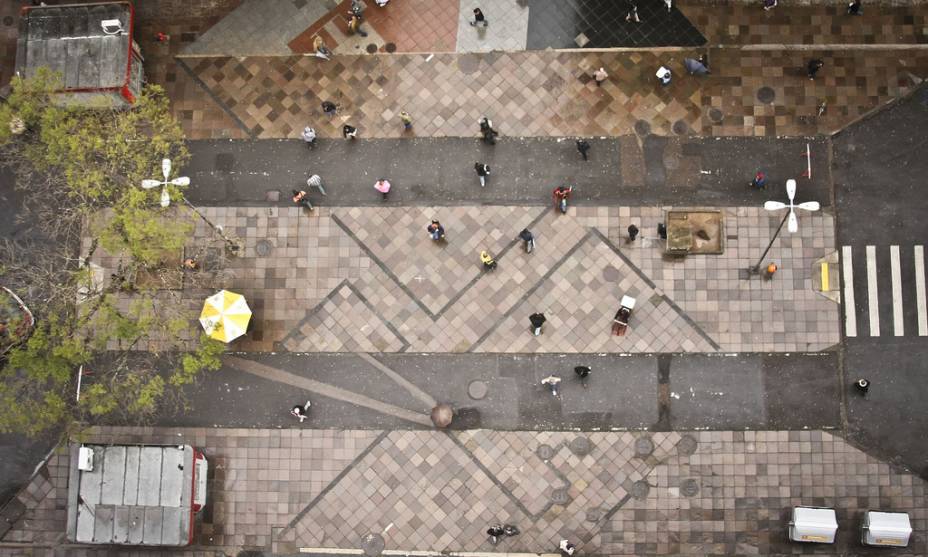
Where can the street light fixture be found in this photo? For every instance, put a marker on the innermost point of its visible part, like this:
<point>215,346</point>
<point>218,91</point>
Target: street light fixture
<point>166,171</point>
<point>232,245</point>
<point>791,217</point>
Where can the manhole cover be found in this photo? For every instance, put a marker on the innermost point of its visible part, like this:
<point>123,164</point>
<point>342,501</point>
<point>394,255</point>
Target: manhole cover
<point>611,274</point>
<point>594,514</point>
<point>640,489</point>
<point>224,162</point>
<point>263,248</point>
<point>477,390</point>
<point>580,446</point>
<point>468,63</point>
<point>766,95</point>
<point>8,21</point>
<point>560,497</point>
<point>716,115</point>
<point>371,48</point>
<point>687,445</point>
<point>644,447</point>
<point>372,544</point>
<point>545,452</point>
<point>642,127</point>
<point>390,47</point>
<point>680,127</point>
<point>689,488</point>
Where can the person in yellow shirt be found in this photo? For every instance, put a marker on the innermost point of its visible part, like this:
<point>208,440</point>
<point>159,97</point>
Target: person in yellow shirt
<point>488,262</point>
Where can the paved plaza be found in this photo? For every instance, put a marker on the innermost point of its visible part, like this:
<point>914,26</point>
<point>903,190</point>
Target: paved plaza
<point>618,493</point>
<point>728,401</point>
<point>369,279</point>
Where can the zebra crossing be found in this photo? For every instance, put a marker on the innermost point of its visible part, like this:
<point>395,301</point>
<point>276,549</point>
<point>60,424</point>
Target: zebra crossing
<point>894,274</point>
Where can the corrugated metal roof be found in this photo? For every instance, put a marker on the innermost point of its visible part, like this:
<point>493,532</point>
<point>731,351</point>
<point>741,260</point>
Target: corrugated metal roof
<point>69,39</point>
<point>135,494</point>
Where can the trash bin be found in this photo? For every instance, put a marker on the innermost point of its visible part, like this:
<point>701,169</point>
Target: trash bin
<point>813,524</point>
<point>885,529</point>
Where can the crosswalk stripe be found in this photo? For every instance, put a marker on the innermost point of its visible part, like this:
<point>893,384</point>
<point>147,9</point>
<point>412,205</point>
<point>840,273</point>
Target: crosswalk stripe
<point>850,316</point>
<point>898,326</point>
<point>920,291</point>
<point>873,304</point>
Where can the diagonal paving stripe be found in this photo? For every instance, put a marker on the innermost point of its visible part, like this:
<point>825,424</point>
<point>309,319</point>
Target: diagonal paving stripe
<point>318,387</point>
<point>400,380</point>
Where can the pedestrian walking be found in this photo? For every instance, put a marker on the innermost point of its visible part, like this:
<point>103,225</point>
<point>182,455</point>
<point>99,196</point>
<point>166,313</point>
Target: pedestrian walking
<point>662,231</point>
<point>309,136</point>
<point>769,5</point>
<point>301,199</point>
<point>489,263</point>
<point>759,181</point>
<point>435,230</point>
<point>770,271</point>
<point>320,49</point>
<point>814,66</point>
<point>583,372</point>
<point>584,147</point>
<point>494,532</point>
<point>329,108</point>
<point>383,186</point>
<point>552,381</point>
<point>600,75</point>
<point>190,264</point>
<point>862,386</point>
<point>632,232</point>
<point>663,74</point>
<point>407,120</point>
<point>315,181</point>
<point>669,4</point>
<point>566,547</point>
<point>357,7</point>
<point>696,66</point>
<point>632,14</point>
<point>349,132</point>
<point>354,25</point>
<point>483,172</point>
<point>854,8</point>
<point>479,19</point>
<point>301,411</point>
<point>528,240</point>
<point>537,320</point>
<point>162,37</point>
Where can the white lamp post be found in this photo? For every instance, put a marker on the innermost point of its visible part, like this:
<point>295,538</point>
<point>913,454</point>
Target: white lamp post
<point>791,217</point>
<point>166,171</point>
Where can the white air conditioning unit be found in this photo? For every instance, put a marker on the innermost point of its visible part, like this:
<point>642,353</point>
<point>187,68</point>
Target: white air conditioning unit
<point>85,459</point>
<point>111,26</point>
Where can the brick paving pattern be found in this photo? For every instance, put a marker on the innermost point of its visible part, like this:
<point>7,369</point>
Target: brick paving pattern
<point>551,93</point>
<point>746,23</point>
<point>616,493</point>
<point>370,279</point>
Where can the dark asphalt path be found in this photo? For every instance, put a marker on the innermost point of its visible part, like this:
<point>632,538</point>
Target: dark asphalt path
<point>621,171</point>
<point>656,392</point>
<point>879,171</point>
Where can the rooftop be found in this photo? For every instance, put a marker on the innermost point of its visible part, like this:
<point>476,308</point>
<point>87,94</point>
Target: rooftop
<point>70,39</point>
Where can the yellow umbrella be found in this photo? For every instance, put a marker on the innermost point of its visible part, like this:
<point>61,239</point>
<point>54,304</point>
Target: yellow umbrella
<point>225,316</point>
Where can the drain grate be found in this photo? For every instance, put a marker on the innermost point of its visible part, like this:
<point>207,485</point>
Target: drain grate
<point>766,95</point>
<point>545,452</point>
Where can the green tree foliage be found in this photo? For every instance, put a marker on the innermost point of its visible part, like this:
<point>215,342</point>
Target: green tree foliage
<point>90,164</point>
